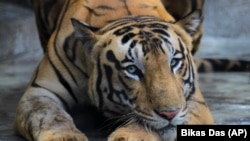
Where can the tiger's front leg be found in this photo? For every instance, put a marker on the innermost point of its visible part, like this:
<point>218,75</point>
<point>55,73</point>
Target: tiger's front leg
<point>41,117</point>
<point>41,113</point>
<point>133,132</point>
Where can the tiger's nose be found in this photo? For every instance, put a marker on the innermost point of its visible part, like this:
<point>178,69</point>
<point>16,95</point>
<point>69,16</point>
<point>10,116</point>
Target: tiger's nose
<point>169,114</point>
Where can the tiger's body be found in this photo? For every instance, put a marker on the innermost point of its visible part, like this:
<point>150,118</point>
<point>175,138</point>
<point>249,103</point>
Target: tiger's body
<point>126,57</point>
<point>47,14</point>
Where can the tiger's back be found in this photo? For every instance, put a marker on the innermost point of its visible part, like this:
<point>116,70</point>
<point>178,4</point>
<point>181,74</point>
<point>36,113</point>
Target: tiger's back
<point>101,13</point>
<point>97,14</point>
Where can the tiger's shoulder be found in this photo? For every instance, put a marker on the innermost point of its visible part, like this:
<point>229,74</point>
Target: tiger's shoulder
<point>97,14</point>
<point>50,14</point>
<point>55,15</point>
<point>100,13</point>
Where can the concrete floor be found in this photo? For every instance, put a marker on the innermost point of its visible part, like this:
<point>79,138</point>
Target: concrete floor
<point>227,94</point>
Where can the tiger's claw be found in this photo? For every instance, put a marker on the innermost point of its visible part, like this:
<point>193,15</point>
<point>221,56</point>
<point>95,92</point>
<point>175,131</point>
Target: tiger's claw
<point>62,136</point>
<point>133,133</point>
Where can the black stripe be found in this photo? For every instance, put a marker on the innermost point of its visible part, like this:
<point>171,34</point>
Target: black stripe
<point>70,49</point>
<point>57,95</point>
<point>93,11</point>
<point>112,91</point>
<point>193,5</point>
<point>64,64</point>
<point>133,43</point>
<point>126,59</point>
<point>105,7</point>
<point>181,46</point>
<point>98,83</point>
<point>111,57</point>
<point>118,23</point>
<point>123,83</point>
<point>130,51</point>
<point>157,44</point>
<point>35,74</point>
<point>156,25</point>
<point>126,6</point>
<point>160,31</point>
<point>72,58</point>
<point>142,20</point>
<point>63,81</point>
<point>123,30</point>
<point>191,72</point>
<point>127,37</point>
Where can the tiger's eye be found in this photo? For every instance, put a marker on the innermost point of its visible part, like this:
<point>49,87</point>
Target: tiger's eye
<point>131,69</point>
<point>173,62</point>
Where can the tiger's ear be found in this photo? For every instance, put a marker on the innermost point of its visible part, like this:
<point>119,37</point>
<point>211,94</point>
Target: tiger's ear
<point>191,22</point>
<point>84,33</point>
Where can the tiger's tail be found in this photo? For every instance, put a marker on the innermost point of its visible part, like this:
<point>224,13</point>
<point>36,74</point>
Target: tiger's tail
<point>222,65</point>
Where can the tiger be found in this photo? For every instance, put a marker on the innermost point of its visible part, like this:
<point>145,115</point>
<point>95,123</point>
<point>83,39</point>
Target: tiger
<point>128,58</point>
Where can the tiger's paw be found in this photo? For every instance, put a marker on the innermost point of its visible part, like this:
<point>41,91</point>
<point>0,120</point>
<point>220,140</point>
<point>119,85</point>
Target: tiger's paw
<point>133,133</point>
<point>62,136</point>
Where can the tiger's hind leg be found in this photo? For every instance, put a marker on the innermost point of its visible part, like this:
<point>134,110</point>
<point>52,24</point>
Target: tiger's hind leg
<point>133,132</point>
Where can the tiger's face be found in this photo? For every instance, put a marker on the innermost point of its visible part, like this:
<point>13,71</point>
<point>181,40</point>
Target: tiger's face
<point>142,69</point>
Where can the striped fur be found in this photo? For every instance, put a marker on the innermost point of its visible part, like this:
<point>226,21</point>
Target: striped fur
<point>127,64</point>
<point>47,13</point>
<point>176,8</point>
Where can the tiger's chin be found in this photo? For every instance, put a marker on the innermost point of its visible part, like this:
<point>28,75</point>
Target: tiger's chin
<point>166,129</point>
<point>167,133</point>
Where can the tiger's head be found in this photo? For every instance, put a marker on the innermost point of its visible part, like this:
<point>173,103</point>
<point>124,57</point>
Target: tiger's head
<point>141,67</point>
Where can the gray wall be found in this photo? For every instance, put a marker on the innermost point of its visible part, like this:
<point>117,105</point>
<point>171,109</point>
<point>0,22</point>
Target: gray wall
<point>227,18</point>
<point>226,29</point>
<point>18,34</point>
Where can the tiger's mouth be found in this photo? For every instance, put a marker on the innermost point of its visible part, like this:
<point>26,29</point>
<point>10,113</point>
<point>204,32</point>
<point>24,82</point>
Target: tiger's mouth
<point>160,124</point>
